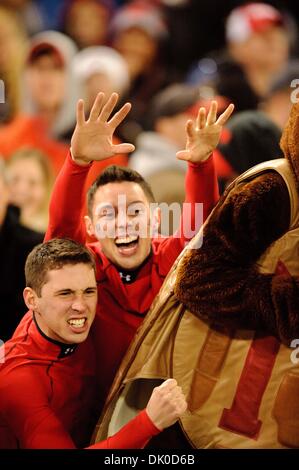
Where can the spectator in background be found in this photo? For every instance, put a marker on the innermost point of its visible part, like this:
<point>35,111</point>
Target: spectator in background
<point>50,90</point>
<point>253,136</point>
<point>30,180</point>
<point>16,241</point>
<point>87,21</point>
<point>259,41</point>
<point>138,32</point>
<point>101,68</point>
<point>30,126</point>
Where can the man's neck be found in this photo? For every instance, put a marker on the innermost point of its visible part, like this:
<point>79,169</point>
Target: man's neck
<point>128,276</point>
<point>66,349</point>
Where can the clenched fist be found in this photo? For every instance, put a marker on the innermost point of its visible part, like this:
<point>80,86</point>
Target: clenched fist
<point>167,404</point>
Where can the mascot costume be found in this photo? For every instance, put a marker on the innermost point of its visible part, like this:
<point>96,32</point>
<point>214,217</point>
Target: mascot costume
<point>226,320</point>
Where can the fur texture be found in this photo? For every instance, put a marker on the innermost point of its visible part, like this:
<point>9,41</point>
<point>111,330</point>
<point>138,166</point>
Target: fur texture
<point>220,281</point>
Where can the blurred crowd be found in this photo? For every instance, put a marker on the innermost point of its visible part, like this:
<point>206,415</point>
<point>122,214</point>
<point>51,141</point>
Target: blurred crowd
<point>168,58</point>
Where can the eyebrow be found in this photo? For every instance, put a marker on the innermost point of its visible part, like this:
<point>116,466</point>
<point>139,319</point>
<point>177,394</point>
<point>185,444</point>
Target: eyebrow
<point>61,291</point>
<point>105,205</point>
<point>137,202</point>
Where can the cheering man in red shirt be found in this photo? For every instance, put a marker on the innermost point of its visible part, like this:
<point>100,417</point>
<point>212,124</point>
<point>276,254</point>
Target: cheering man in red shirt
<point>131,264</point>
<point>48,386</point>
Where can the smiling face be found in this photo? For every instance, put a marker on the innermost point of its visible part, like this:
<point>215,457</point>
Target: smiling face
<point>66,306</point>
<point>121,221</point>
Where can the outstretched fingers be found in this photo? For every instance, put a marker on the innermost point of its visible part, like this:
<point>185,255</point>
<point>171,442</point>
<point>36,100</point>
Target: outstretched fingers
<point>190,128</point>
<point>80,113</point>
<point>201,118</point>
<point>120,115</point>
<point>212,113</point>
<point>108,108</point>
<point>96,107</point>
<point>225,115</point>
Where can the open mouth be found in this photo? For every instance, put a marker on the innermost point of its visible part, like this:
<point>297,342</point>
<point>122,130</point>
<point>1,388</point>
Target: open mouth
<point>77,322</point>
<point>127,245</point>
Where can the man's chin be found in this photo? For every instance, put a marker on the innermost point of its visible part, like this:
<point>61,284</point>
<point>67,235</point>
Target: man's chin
<point>129,263</point>
<point>77,338</point>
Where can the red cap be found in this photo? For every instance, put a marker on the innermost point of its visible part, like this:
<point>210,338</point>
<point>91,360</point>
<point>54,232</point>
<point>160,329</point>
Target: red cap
<point>254,17</point>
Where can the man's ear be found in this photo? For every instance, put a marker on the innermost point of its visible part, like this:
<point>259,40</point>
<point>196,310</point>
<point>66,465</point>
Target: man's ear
<point>89,226</point>
<point>30,298</point>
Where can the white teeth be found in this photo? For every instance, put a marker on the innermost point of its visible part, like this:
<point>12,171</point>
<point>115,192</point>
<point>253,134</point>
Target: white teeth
<point>127,239</point>
<point>77,323</point>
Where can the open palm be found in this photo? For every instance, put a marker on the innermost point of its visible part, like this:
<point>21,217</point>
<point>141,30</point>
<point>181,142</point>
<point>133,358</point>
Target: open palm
<point>92,139</point>
<point>203,134</point>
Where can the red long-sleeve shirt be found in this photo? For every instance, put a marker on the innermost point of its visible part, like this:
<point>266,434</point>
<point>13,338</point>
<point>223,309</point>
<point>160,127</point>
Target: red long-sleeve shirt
<point>48,396</point>
<point>122,307</point>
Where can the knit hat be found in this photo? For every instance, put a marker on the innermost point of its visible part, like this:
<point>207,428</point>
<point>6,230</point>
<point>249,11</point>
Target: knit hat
<point>254,17</point>
<point>102,59</point>
<point>139,15</point>
<point>52,42</point>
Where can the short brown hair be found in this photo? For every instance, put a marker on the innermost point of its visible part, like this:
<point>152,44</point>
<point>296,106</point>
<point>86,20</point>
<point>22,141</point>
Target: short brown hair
<point>117,174</point>
<point>54,254</point>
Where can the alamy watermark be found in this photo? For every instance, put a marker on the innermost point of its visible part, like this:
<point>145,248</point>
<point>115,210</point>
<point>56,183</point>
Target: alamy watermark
<point>148,220</point>
<point>295,354</point>
<point>2,92</point>
<point>294,94</point>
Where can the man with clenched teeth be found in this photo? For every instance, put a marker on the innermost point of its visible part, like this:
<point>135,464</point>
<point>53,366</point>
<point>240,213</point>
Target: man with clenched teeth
<point>48,384</point>
<point>131,264</point>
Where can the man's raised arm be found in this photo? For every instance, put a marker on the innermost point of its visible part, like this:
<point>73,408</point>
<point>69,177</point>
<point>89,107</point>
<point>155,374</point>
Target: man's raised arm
<point>201,184</point>
<point>91,141</point>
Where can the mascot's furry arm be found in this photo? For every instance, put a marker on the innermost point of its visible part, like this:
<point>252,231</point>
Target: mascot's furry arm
<point>220,281</point>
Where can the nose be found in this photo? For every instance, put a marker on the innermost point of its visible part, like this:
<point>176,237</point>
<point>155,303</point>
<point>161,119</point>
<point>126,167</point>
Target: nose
<point>79,304</point>
<point>121,220</point>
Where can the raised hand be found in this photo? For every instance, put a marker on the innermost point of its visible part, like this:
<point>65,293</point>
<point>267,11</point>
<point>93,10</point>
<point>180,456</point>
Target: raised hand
<point>166,404</point>
<point>203,134</point>
<point>92,138</point>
